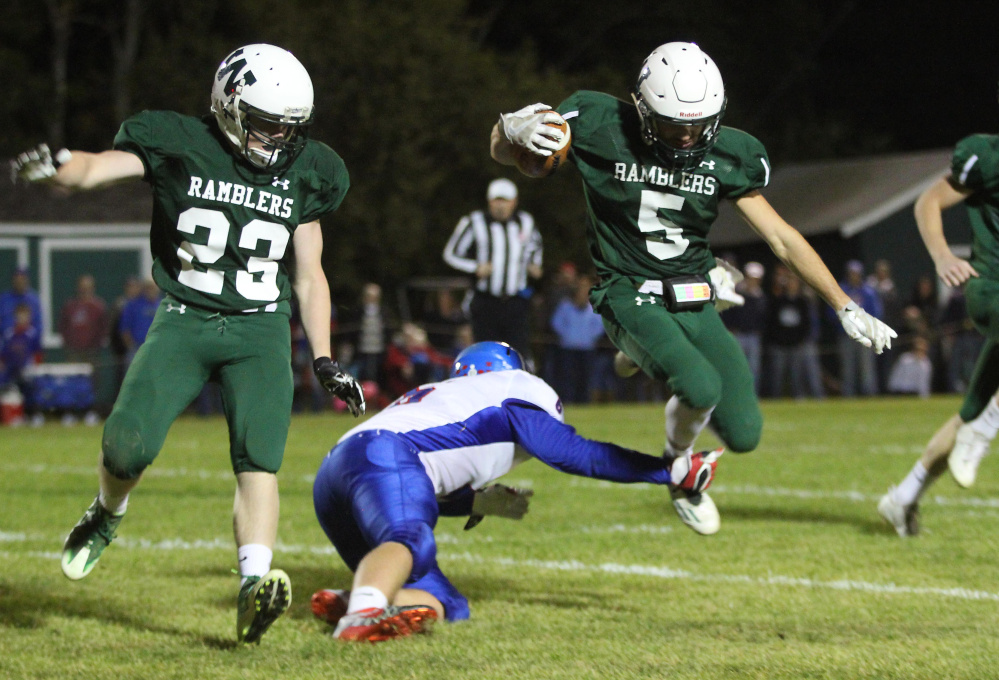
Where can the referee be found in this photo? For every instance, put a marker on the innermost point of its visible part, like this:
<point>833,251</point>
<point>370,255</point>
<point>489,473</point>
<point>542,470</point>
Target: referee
<point>502,248</point>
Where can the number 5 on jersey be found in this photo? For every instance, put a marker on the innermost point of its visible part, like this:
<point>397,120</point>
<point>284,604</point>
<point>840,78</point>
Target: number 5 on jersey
<point>671,244</point>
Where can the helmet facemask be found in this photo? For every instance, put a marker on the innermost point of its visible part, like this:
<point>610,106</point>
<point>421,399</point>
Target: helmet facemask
<point>678,159</point>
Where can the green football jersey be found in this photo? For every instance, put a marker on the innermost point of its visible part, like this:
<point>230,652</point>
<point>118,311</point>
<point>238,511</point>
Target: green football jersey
<point>645,220</point>
<point>975,165</point>
<point>221,229</point>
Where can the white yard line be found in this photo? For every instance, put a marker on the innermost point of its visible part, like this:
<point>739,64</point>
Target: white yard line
<point>660,572</point>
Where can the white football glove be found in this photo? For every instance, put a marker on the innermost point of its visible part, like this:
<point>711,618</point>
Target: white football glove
<point>865,329</point>
<point>527,128</point>
<point>37,164</point>
<point>501,501</point>
<point>723,278</point>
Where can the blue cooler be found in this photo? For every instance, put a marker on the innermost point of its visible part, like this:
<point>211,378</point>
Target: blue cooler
<point>61,387</point>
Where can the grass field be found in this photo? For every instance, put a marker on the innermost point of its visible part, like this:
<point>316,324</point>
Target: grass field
<point>598,581</point>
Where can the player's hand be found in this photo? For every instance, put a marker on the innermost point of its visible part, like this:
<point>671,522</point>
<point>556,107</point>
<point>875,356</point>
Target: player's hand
<point>340,384</point>
<point>527,128</point>
<point>37,164</point>
<point>694,472</point>
<point>499,500</point>
<point>724,278</point>
<point>865,329</point>
<point>953,270</point>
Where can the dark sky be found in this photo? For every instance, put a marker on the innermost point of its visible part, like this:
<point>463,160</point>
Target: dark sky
<point>927,72</point>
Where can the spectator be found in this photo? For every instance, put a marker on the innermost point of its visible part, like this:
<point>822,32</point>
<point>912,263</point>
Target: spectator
<point>502,248</point>
<point>892,305</point>
<point>810,348</point>
<point>443,319</point>
<point>365,334</point>
<point>787,329</point>
<point>20,293</point>
<point>119,350</point>
<point>913,371</point>
<point>854,360</point>
<point>137,317</point>
<point>83,323</point>
<point>22,346</point>
<point>925,300</point>
<point>747,321</point>
<point>411,361</point>
<point>561,287</point>
<point>578,329</point>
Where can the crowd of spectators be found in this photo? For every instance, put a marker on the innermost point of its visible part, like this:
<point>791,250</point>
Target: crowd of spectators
<point>793,346</point>
<point>97,338</point>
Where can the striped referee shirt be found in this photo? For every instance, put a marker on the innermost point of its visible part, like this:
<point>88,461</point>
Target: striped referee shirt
<point>510,247</point>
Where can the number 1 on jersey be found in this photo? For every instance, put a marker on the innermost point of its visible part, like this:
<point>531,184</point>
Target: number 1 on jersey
<point>671,244</point>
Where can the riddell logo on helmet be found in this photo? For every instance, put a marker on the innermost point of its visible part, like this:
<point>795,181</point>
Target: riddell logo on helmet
<point>695,114</point>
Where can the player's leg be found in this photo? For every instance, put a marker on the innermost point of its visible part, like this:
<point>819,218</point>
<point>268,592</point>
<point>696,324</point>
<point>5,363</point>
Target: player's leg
<point>167,373</point>
<point>660,343</point>
<point>900,505</point>
<point>736,419</point>
<point>372,494</point>
<point>257,387</point>
<point>979,410</point>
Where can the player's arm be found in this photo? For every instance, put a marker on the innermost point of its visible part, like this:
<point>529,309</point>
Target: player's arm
<point>77,170</point>
<point>943,194</point>
<point>313,293</point>
<point>793,250</point>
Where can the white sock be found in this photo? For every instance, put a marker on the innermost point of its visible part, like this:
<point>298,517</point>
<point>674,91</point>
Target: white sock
<point>366,597</point>
<point>254,560</point>
<point>683,424</point>
<point>987,422</point>
<point>912,487</point>
<point>116,505</point>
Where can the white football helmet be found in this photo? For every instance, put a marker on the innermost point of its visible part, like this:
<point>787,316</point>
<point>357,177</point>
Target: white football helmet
<point>263,94</point>
<point>680,85</point>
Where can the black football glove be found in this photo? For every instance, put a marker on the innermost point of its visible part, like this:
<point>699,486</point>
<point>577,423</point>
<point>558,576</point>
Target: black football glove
<point>340,384</point>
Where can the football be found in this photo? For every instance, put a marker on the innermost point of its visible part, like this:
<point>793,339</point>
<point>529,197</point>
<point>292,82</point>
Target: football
<point>533,165</point>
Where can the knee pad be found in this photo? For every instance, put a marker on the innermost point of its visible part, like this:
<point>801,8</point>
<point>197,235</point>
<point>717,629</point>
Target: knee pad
<point>125,454</point>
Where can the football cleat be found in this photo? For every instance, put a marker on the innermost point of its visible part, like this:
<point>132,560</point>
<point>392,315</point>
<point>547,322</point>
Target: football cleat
<point>330,605</point>
<point>969,449</point>
<point>624,366</point>
<point>87,540</point>
<point>696,510</point>
<point>262,599</point>
<point>905,518</point>
<point>378,625</point>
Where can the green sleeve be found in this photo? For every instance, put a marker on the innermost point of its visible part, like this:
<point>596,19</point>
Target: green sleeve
<point>973,164</point>
<point>328,176</point>
<point>136,135</point>
<point>752,165</point>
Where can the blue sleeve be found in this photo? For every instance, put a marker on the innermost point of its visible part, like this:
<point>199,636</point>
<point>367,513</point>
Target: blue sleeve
<point>557,445</point>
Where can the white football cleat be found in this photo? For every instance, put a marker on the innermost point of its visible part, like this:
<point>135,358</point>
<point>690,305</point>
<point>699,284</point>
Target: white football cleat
<point>969,449</point>
<point>905,518</point>
<point>696,510</point>
<point>624,366</point>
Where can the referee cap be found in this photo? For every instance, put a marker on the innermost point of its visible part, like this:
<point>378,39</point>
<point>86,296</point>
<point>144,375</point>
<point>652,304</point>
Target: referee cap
<point>501,188</point>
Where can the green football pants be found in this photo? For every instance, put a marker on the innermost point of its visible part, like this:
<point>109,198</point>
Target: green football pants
<point>692,352</point>
<point>983,308</point>
<point>249,355</point>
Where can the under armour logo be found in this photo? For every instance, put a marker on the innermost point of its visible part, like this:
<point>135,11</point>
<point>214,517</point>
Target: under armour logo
<point>639,300</point>
<point>710,164</point>
<point>170,308</point>
<point>283,183</point>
